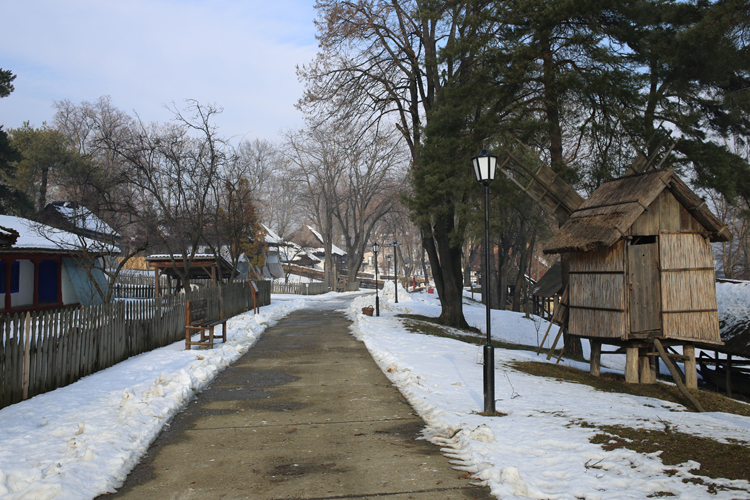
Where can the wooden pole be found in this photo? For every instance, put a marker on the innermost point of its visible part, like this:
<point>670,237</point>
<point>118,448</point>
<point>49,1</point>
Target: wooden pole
<point>691,370</point>
<point>595,363</point>
<point>676,376</point>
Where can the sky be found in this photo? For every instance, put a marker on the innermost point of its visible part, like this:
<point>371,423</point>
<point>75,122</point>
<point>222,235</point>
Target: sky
<point>238,54</point>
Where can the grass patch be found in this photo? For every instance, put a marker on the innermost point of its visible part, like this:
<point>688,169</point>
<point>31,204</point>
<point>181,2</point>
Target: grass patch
<point>607,382</point>
<point>717,460</point>
<point>612,382</point>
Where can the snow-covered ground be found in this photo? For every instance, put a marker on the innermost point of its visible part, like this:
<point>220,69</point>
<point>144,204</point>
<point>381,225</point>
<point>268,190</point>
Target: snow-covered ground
<point>82,440</point>
<point>538,450</point>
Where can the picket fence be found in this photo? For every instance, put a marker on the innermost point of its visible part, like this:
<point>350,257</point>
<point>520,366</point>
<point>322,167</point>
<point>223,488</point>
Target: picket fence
<point>314,288</point>
<point>41,351</point>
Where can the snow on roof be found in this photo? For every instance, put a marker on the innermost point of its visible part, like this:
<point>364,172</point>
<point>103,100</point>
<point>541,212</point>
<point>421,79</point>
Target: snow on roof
<point>334,249</point>
<point>272,237</point>
<point>83,218</point>
<point>36,236</point>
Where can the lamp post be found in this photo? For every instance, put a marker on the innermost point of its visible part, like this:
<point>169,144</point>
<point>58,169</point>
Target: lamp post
<point>375,248</point>
<point>484,168</point>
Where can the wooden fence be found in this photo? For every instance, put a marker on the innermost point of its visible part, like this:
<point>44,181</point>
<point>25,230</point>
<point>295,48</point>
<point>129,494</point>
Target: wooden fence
<point>42,351</point>
<point>315,288</point>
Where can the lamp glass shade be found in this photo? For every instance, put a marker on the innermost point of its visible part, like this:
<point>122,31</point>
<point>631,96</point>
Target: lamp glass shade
<point>375,247</point>
<point>484,166</point>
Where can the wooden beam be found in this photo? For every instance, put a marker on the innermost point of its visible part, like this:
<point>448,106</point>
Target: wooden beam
<point>676,376</point>
<point>691,371</point>
<point>595,362</point>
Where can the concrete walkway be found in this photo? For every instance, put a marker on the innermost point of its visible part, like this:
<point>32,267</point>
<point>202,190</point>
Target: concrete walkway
<point>305,414</point>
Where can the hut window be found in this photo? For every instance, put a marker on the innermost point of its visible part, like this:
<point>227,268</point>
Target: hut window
<point>643,240</point>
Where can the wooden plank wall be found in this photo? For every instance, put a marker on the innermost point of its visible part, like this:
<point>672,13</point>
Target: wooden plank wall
<point>66,345</point>
<point>689,308</point>
<point>597,293</point>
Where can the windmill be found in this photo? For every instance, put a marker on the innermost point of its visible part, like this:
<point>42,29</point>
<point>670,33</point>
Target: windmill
<point>641,269</point>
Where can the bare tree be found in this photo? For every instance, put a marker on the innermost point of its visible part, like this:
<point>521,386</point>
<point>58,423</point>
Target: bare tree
<point>375,168</point>
<point>318,155</point>
<point>175,169</point>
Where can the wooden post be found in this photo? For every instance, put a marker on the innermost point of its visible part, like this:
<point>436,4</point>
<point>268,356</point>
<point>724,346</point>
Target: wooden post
<point>646,368</point>
<point>26,356</point>
<point>691,372</point>
<point>631,365</point>
<point>595,364</point>
<point>676,375</point>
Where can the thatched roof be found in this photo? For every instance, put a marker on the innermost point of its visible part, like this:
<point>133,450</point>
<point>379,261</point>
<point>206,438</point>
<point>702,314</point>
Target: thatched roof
<point>615,206</point>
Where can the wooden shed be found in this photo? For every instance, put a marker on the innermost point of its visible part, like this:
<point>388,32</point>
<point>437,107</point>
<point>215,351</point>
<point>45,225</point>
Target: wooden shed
<point>641,268</point>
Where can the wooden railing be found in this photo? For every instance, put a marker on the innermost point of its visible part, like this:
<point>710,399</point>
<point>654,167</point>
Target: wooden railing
<point>41,351</point>
<point>315,288</point>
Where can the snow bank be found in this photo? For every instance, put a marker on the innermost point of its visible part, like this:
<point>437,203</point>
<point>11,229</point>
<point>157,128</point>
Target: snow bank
<point>82,440</point>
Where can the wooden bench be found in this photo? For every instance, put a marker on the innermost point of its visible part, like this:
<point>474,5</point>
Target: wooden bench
<point>196,318</point>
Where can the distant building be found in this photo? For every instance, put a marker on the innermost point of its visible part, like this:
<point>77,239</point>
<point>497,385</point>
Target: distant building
<point>48,268</point>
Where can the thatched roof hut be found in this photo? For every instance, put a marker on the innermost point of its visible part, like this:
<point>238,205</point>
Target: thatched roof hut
<point>612,210</point>
<point>641,265</point>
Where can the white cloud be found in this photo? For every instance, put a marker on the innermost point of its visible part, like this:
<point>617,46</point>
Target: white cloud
<point>240,55</point>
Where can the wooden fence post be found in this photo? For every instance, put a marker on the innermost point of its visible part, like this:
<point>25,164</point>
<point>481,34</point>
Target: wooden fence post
<point>26,355</point>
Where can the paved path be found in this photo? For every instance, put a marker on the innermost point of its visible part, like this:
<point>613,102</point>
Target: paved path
<point>305,414</point>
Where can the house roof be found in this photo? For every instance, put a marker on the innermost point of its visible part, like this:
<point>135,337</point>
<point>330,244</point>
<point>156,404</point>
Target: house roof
<point>82,218</point>
<point>309,238</point>
<point>615,206</point>
<point>35,236</point>
<point>550,284</point>
<point>199,266</point>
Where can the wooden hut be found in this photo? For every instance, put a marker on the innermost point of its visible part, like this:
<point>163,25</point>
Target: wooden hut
<point>641,269</point>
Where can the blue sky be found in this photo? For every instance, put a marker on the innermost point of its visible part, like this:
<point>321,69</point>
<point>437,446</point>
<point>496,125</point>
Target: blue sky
<point>238,54</point>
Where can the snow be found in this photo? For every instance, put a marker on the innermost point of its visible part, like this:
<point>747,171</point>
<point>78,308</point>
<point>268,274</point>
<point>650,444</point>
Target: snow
<point>539,450</point>
<point>82,440</point>
<point>83,218</point>
<point>34,235</point>
<point>733,298</point>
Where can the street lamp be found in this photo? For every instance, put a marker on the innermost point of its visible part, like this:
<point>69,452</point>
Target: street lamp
<point>375,248</point>
<point>484,168</point>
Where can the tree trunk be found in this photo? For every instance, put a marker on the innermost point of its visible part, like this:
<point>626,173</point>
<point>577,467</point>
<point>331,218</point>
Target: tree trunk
<point>445,261</point>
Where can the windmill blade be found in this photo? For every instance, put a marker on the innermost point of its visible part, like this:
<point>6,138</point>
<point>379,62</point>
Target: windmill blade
<point>522,166</point>
<point>644,163</point>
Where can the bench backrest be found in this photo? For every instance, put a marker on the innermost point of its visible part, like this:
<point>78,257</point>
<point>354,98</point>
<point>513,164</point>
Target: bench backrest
<point>198,309</point>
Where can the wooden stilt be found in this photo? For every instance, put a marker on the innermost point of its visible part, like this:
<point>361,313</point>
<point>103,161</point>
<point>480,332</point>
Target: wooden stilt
<point>644,361</point>
<point>631,365</point>
<point>595,362</point>
<point>691,371</point>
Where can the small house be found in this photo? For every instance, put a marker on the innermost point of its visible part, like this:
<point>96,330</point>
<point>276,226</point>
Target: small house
<point>313,244</point>
<point>641,268</point>
<point>42,267</point>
